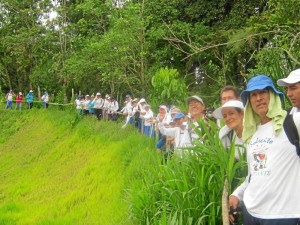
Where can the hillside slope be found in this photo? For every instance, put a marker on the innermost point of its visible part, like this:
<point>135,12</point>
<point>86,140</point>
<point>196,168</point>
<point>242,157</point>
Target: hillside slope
<point>57,170</point>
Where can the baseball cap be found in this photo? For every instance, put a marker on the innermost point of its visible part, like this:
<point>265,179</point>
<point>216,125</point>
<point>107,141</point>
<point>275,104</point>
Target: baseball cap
<point>232,103</point>
<point>259,82</point>
<point>142,100</point>
<point>178,115</point>
<point>163,107</point>
<point>194,97</point>
<point>31,91</point>
<point>98,93</point>
<point>294,77</point>
<point>128,96</point>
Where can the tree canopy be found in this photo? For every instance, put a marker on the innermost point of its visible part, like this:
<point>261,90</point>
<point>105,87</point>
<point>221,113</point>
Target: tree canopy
<point>92,45</point>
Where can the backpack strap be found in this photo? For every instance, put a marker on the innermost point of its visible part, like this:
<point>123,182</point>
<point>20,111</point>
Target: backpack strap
<point>230,135</point>
<point>291,131</point>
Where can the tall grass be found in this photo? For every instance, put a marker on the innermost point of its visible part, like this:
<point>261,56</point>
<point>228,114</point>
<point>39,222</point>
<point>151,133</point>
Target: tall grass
<point>188,190</point>
<point>57,171</point>
<point>57,168</point>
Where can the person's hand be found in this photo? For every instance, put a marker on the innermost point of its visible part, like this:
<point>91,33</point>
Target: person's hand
<point>233,204</point>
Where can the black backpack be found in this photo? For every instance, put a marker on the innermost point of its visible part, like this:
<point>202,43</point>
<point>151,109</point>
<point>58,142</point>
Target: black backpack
<point>291,131</point>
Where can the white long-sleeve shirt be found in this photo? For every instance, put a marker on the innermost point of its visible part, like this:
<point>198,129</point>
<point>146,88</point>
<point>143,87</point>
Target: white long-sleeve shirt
<point>98,103</point>
<point>45,98</point>
<point>147,116</point>
<point>182,136</point>
<point>113,107</point>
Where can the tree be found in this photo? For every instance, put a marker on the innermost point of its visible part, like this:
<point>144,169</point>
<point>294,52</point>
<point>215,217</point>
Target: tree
<point>168,87</point>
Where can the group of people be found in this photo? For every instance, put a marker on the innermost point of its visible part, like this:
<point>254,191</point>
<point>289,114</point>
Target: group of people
<point>254,121</point>
<point>19,100</point>
<point>103,108</point>
<point>258,126</point>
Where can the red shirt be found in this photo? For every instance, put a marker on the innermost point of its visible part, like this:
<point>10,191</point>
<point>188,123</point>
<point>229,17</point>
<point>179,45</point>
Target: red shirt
<point>19,98</point>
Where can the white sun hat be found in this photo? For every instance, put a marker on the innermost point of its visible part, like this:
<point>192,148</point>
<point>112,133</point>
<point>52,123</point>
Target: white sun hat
<point>232,103</point>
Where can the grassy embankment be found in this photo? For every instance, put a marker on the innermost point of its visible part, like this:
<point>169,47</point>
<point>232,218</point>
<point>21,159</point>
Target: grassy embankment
<point>54,170</point>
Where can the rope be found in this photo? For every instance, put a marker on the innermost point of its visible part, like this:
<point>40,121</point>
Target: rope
<point>50,103</point>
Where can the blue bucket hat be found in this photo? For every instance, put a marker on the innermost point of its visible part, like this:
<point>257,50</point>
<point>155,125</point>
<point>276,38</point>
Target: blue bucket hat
<point>259,82</point>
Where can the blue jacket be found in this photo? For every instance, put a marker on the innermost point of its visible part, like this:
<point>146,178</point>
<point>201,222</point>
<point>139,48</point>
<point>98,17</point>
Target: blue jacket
<point>29,97</point>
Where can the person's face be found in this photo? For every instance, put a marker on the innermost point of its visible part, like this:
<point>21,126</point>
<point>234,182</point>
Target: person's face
<point>162,111</point>
<point>293,93</point>
<point>180,121</point>
<point>227,95</point>
<point>259,100</point>
<point>195,108</point>
<point>232,118</point>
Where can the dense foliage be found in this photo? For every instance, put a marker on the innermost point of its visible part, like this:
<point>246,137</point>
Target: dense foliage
<point>95,46</point>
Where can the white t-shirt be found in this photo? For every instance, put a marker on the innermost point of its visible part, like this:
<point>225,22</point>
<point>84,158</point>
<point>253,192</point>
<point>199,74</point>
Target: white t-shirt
<point>274,166</point>
<point>296,117</point>
<point>9,97</point>
<point>98,103</point>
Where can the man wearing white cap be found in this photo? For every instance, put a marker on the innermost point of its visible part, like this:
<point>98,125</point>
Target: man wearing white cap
<point>292,84</point>
<point>292,122</point>
<point>196,108</point>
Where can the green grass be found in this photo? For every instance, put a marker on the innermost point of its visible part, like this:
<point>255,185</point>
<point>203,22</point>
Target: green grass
<point>56,169</point>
